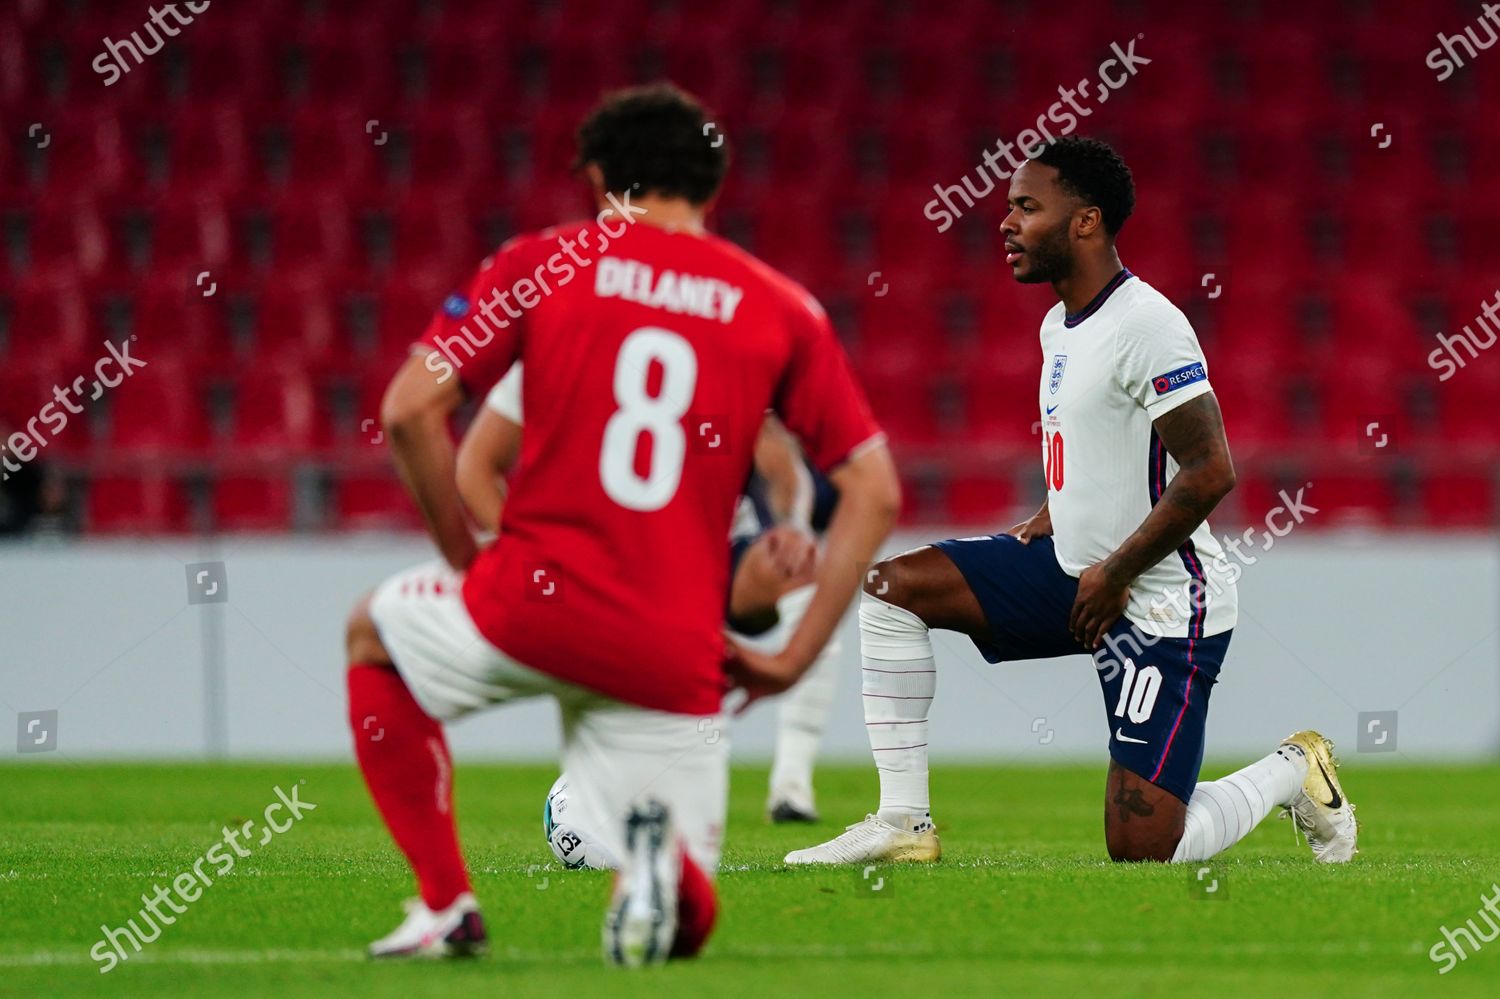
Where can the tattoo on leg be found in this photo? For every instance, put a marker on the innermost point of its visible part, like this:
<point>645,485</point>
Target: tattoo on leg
<point>1132,801</point>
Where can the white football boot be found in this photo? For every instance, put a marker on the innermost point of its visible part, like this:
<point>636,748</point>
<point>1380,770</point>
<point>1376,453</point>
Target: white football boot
<point>1321,810</point>
<point>457,931</point>
<point>791,803</point>
<point>641,922</point>
<point>872,841</point>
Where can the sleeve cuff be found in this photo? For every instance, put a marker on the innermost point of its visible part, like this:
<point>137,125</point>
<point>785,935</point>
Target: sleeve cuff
<point>1162,405</point>
<point>878,439</point>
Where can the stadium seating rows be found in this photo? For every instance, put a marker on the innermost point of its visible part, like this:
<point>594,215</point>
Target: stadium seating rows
<point>272,205</point>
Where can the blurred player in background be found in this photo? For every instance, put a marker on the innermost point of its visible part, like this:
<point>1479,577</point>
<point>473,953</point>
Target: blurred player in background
<point>606,589</point>
<point>786,506</point>
<point>1119,563</point>
<point>785,492</point>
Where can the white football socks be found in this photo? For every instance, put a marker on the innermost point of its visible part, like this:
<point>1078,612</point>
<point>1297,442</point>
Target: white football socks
<point>803,714</point>
<point>1222,812</point>
<point>899,682</point>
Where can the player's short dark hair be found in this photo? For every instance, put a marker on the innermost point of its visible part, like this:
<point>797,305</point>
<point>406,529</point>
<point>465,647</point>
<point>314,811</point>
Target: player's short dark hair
<point>655,138</point>
<point>1093,171</point>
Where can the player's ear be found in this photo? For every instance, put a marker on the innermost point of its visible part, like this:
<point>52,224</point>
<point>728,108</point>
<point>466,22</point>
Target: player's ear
<point>1087,221</point>
<point>595,176</point>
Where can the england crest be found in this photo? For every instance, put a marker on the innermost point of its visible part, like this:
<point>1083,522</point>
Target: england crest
<point>1059,362</point>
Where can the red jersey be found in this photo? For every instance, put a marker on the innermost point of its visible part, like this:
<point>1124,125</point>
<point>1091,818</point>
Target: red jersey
<point>651,357</point>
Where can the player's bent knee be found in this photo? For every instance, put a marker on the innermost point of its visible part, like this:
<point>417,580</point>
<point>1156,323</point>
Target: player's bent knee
<point>891,580</point>
<point>362,643</point>
<point>920,581</point>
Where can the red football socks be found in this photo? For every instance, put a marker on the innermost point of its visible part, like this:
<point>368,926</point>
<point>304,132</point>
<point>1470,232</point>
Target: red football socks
<point>697,909</point>
<point>406,764</point>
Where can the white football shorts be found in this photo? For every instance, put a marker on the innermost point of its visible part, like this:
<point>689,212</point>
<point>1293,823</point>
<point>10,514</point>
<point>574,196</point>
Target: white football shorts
<point>615,754</point>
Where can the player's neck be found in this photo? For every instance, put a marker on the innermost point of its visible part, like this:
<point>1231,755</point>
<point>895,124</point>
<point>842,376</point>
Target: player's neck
<point>1089,277</point>
<point>672,214</point>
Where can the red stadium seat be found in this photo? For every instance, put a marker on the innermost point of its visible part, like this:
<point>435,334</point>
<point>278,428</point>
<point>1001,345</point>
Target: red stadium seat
<point>446,152</point>
<point>199,148</point>
<point>84,152</point>
<point>341,62</point>
<point>275,411</point>
<point>374,502</point>
<point>153,504</point>
<point>64,235</point>
<point>227,65</point>
<point>431,232</point>
<point>1462,501</point>
<point>327,152</point>
<point>172,234</point>
<point>158,411</point>
<point>45,319</point>
<point>294,325</point>
<point>978,499</point>
<point>1001,398</point>
<point>25,388</point>
<point>252,503</point>
<point>457,65</point>
<point>404,308</point>
<point>292,231</point>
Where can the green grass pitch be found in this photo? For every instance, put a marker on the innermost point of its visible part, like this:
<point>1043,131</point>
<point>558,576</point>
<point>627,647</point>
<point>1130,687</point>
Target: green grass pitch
<point>1023,902</point>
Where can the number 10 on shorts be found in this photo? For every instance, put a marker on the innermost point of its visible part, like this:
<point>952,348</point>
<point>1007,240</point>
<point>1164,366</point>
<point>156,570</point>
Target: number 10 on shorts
<point>1138,692</point>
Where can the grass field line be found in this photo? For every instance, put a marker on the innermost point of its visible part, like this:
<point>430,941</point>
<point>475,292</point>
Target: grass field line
<point>1093,949</point>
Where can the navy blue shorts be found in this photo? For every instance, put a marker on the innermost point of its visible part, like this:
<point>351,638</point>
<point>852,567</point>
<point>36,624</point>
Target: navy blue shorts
<point>1155,689</point>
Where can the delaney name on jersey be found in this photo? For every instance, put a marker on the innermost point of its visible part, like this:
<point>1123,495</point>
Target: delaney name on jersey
<point>683,294</point>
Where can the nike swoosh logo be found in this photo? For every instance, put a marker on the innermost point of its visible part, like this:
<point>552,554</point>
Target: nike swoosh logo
<point>1125,738</point>
<point>1338,799</point>
<point>1051,408</point>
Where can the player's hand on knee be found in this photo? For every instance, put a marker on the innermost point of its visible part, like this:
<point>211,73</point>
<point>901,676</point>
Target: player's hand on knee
<point>794,553</point>
<point>1100,602</point>
<point>1039,525</point>
<point>758,674</point>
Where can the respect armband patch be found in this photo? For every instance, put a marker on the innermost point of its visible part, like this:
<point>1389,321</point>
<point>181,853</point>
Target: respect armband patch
<point>1173,380</point>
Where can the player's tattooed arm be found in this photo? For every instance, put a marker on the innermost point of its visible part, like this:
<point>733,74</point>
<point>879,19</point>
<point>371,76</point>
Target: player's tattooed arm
<point>1193,435</point>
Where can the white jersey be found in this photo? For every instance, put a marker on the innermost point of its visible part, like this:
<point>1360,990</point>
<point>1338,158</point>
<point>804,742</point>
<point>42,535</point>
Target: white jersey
<point>1107,374</point>
<point>505,397</point>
